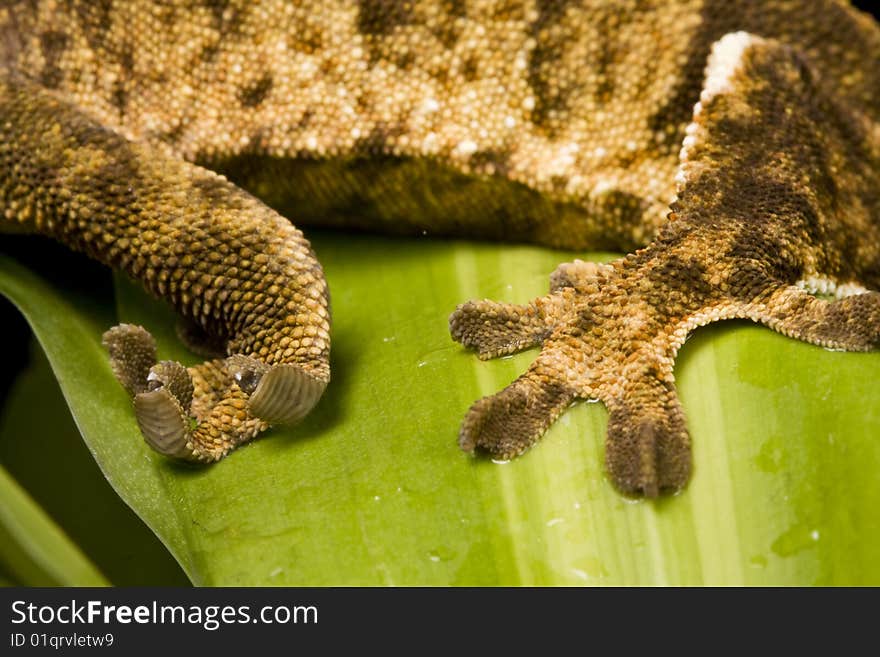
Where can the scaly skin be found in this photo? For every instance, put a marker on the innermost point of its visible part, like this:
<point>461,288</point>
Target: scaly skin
<point>561,122</point>
<point>227,263</point>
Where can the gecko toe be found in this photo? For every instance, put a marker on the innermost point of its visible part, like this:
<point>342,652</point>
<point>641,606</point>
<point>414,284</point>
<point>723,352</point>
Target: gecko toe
<point>496,329</point>
<point>851,323</point>
<point>132,353</point>
<point>163,423</point>
<point>285,394</point>
<point>509,422</point>
<point>647,447</point>
<point>162,411</point>
<point>584,276</point>
<point>162,392</point>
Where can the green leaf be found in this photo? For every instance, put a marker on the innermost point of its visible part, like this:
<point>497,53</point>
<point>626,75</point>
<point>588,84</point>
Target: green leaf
<point>372,489</point>
<point>33,549</point>
<point>44,451</point>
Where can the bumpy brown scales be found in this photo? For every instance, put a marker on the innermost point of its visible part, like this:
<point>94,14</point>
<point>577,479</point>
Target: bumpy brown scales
<point>735,144</point>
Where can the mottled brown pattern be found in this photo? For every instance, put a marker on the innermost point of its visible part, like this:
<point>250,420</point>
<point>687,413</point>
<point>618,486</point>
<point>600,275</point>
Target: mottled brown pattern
<point>572,123</point>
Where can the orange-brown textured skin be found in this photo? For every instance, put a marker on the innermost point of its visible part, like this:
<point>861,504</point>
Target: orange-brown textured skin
<point>561,122</point>
<point>229,264</point>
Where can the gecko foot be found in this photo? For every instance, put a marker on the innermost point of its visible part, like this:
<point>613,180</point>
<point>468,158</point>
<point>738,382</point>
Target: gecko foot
<point>611,336</point>
<point>597,342</point>
<point>202,412</point>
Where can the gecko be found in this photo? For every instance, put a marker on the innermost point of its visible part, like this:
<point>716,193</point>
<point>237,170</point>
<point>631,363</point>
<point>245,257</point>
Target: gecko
<point>730,148</point>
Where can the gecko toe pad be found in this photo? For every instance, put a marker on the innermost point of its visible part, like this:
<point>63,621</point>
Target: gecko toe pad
<point>163,423</point>
<point>285,394</point>
<point>279,394</point>
<point>162,411</point>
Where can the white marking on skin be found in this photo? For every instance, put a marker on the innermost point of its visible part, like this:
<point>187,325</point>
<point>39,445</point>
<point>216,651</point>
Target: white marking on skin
<point>602,186</point>
<point>724,61</point>
<point>815,284</point>
<point>466,147</point>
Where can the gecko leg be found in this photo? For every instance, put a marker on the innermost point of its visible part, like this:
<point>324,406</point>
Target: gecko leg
<point>245,281</point>
<point>757,210</point>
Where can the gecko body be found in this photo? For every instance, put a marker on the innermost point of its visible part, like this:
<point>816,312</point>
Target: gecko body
<point>732,148</point>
